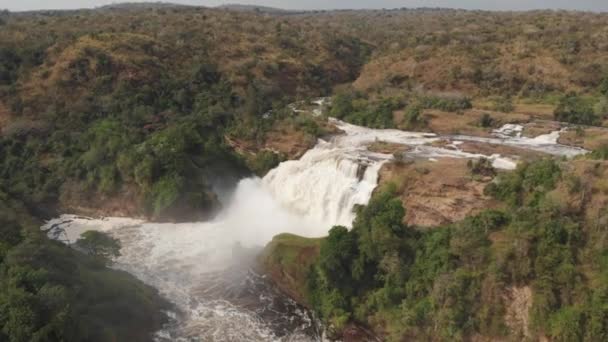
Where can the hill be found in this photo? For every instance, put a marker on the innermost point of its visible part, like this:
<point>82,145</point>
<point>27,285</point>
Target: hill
<point>155,110</point>
<point>254,8</point>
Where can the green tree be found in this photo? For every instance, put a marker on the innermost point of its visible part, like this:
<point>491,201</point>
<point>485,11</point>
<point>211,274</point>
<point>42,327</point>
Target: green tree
<point>573,109</point>
<point>336,255</point>
<point>100,245</point>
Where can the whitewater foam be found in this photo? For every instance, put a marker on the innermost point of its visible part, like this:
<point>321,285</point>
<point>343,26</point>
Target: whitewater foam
<point>203,268</point>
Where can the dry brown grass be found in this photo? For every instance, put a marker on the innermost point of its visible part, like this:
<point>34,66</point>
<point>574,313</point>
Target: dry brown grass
<point>387,148</point>
<point>468,122</point>
<point>289,141</point>
<point>589,138</point>
<point>536,111</point>
<point>437,193</point>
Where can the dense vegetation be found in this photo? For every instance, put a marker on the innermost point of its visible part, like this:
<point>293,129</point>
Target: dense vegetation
<point>49,292</point>
<point>129,112</point>
<point>142,110</point>
<point>357,108</point>
<point>449,283</point>
<point>123,104</point>
<point>104,108</point>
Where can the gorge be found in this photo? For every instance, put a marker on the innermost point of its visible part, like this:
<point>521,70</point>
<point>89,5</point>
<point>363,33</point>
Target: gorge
<point>208,270</point>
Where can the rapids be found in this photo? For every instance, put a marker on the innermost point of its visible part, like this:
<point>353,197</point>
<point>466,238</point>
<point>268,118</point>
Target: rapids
<point>206,269</point>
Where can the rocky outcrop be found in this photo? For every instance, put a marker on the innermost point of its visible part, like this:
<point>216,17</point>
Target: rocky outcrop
<point>287,259</point>
<point>129,202</point>
<point>437,193</point>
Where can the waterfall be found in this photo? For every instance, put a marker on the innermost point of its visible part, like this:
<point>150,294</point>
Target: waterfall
<point>324,185</point>
<point>203,268</point>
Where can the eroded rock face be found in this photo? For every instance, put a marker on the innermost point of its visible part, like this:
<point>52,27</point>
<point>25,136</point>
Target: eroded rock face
<point>518,302</point>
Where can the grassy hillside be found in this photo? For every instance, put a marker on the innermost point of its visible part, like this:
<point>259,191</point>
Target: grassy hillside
<point>126,112</point>
<point>88,98</point>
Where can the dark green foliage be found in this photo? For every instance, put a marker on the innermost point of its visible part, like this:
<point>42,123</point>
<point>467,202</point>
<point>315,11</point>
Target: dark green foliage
<point>415,280</point>
<point>448,283</point>
<point>369,258</point>
<point>447,104</point>
<point>481,167</point>
<point>486,121</point>
<point>342,105</point>
<point>603,88</point>
<point>601,152</point>
<point>50,292</point>
<point>573,109</point>
<point>356,109</point>
<point>503,104</point>
<point>413,117</point>
<point>308,125</point>
<point>164,140</point>
<point>337,252</point>
<point>264,161</point>
<point>99,245</point>
<point>527,184</point>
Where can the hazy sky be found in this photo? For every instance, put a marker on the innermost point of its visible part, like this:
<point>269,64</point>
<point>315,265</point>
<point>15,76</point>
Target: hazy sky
<point>593,5</point>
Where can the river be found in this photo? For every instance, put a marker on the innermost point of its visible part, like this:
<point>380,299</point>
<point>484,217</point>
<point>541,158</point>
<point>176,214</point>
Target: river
<point>206,268</point>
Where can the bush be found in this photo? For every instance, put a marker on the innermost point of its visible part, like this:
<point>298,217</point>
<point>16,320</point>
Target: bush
<point>481,167</point>
<point>503,104</point>
<point>99,245</point>
<point>446,104</point>
<point>574,109</point>
<point>356,109</point>
<point>263,162</point>
<point>529,182</point>
<point>600,153</point>
<point>486,121</point>
<point>413,117</point>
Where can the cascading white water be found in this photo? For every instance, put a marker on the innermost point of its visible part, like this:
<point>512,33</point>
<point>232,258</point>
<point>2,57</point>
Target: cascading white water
<point>203,268</point>
<point>324,185</point>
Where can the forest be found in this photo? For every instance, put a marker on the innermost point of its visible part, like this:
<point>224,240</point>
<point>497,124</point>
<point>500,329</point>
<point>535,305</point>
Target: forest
<point>142,111</point>
<point>447,283</point>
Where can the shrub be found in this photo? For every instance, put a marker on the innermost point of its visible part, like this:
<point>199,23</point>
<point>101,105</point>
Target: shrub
<point>447,104</point>
<point>503,104</point>
<point>99,245</point>
<point>481,167</point>
<point>486,121</point>
<point>601,152</point>
<point>574,109</point>
<point>263,162</point>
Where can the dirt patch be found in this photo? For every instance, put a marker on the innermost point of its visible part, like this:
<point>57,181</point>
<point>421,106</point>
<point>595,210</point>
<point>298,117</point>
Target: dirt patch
<point>518,302</point>
<point>437,193</point>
